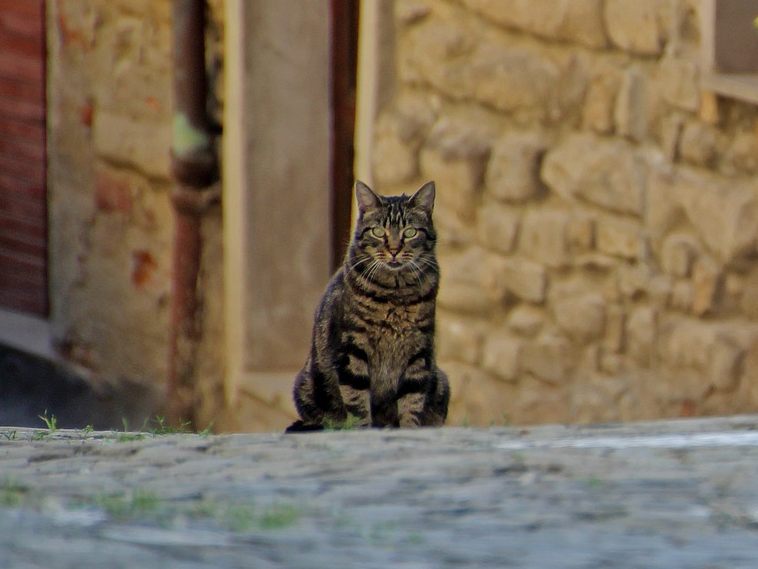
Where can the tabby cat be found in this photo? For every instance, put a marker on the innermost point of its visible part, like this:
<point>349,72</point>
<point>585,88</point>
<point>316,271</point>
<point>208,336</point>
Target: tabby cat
<point>372,353</point>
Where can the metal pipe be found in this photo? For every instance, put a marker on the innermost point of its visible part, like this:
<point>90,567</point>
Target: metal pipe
<point>195,169</point>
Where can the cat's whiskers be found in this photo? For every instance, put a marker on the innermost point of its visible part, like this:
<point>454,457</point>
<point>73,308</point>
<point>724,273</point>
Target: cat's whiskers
<point>416,271</point>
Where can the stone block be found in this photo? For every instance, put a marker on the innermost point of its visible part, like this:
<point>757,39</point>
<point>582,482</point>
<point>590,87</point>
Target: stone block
<point>397,138</point>
<point>580,233</point>
<point>477,398</point>
<point>607,173</point>
<point>679,83</point>
<point>497,226</point>
<point>500,355</point>
<point>578,21</point>
<point>670,134</point>
<point>615,329</point>
<point>526,320</point>
<point>461,283</point>
<point>459,339</point>
<point>620,238</point>
<point>458,178</point>
<point>678,254</point>
<point>749,297</point>
<point>634,280</point>
<point>549,358</point>
<point>642,335</point>
<point>630,110</point>
<point>634,26</point>
<point>707,352</point>
<point>525,279</point>
<point>393,161</point>
<point>742,153</point>
<point>682,296</point>
<point>706,286</point>
<point>513,169</point>
<point>511,78</point>
<point>409,13</point>
<point>725,363</point>
<point>543,237</point>
<point>452,231</point>
<point>724,214</point>
<point>582,318</point>
<point>698,144</point>
<point>143,145</point>
<point>600,99</point>
<point>454,156</point>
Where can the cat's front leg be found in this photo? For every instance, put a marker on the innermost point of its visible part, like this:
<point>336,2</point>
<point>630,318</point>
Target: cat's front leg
<point>423,399</point>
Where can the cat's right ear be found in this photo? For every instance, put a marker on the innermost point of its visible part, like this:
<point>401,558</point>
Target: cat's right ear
<point>366,197</point>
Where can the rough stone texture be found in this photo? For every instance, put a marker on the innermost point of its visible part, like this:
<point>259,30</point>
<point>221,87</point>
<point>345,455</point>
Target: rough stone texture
<point>498,227</point>
<point>671,494</point>
<point>630,111</point>
<point>582,317</point>
<point>525,279</point>
<point>634,26</point>
<point>679,83</point>
<point>513,168</point>
<point>579,21</point>
<point>605,173</point>
<point>543,237</point>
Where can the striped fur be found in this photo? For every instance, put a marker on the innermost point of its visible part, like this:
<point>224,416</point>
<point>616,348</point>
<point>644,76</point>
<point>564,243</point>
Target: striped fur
<point>372,354</point>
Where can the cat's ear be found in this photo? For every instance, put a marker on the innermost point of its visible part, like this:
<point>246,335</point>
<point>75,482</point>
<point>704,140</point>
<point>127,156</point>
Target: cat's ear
<point>424,198</point>
<point>366,197</point>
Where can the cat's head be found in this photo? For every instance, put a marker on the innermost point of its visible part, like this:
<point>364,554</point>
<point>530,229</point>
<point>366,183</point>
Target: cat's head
<point>394,233</point>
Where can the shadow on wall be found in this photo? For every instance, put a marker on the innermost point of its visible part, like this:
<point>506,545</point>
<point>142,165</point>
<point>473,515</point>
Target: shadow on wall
<point>31,386</point>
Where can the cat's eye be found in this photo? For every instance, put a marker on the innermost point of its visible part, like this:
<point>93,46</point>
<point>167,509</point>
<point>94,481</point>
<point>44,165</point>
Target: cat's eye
<point>377,231</point>
<point>410,232</point>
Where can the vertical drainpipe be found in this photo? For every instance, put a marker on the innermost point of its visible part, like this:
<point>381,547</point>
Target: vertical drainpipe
<point>195,172</point>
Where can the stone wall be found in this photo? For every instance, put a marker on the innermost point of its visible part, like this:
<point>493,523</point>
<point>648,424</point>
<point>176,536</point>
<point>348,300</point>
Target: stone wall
<point>111,224</point>
<point>597,212</point>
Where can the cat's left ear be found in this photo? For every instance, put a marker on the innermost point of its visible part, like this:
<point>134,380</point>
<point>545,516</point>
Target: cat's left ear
<point>424,198</point>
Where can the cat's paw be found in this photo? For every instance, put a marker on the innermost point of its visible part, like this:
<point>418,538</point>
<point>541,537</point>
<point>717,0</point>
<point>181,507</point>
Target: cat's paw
<point>301,427</point>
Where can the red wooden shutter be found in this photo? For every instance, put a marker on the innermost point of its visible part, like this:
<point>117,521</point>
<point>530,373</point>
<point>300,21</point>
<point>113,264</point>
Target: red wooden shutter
<point>23,212</point>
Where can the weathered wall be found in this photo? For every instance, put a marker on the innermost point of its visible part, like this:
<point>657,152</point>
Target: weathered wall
<point>598,214</point>
<point>111,225</point>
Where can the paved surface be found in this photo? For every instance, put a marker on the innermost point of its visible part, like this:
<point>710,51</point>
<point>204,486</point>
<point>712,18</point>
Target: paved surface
<point>656,495</point>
